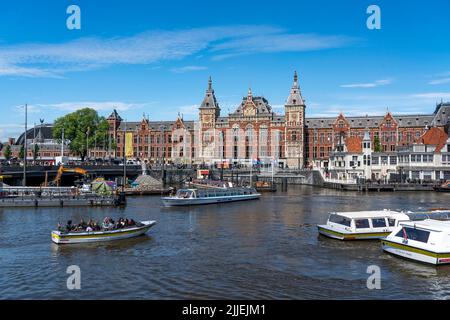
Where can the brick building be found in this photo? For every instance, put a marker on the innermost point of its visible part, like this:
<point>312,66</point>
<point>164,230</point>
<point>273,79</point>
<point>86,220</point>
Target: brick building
<point>253,132</point>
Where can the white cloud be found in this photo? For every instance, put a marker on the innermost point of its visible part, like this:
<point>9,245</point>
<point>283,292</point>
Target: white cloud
<point>440,81</point>
<point>279,42</point>
<point>56,59</point>
<point>188,69</point>
<point>432,95</point>
<point>374,84</point>
<point>8,130</point>
<point>189,110</point>
<point>98,106</point>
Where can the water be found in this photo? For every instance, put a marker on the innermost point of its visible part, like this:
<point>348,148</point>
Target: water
<point>266,249</point>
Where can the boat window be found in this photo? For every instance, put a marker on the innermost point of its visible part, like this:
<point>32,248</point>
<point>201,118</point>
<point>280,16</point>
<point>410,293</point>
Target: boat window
<point>379,223</point>
<point>362,223</point>
<point>413,234</point>
<point>340,220</point>
<point>391,222</point>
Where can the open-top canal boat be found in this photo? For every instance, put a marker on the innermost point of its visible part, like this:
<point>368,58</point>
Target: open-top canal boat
<point>61,237</point>
<point>189,197</point>
<point>361,225</point>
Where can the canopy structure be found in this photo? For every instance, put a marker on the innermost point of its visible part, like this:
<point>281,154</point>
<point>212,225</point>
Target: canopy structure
<point>103,187</point>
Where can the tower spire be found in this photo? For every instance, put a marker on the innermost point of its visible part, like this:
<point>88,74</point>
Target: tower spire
<point>295,97</point>
<point>249,95</point>
<point>210,89</point>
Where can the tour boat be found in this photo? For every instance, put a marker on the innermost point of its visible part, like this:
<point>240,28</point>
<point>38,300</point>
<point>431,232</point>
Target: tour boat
<point>445,187</point>
<point>361,225</point>
<point>188,197</point>
<point>140,228</point>
<point>426,241</point>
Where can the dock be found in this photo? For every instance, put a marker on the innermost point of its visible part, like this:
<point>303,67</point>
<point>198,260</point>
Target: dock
<point>53,197</point>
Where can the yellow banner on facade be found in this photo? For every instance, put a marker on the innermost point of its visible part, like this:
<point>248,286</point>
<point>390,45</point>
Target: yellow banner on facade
<point>129,145</point>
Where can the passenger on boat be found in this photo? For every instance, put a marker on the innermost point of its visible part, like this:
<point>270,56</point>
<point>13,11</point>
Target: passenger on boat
<point>69,226</point>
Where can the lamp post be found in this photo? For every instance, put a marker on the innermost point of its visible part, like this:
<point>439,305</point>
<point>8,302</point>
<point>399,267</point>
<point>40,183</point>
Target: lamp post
<point>124,156</point>
<point>221,155</point>
<point>87,143</point>
<point>163,173</point>
<point>25,147</point>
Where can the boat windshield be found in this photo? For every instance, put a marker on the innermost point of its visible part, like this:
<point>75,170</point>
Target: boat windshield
<point>185,194</point>
<point>429,215</point>
<point>340,219</point>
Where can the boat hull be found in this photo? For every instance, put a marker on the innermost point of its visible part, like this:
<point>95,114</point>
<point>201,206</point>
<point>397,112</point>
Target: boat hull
<point>441,189</point>
<point>323,230</point>
<point>413,253</point>
<point>171,201</point>
<point>100,236</point>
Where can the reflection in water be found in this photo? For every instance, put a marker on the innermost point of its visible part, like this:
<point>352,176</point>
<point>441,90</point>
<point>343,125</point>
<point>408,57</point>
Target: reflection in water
<point>265,249</point>
<point>94,248</point>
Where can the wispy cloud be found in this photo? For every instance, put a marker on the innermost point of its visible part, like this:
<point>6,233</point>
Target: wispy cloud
<point>96,105</point>
<point>440,81</point>
<point>8,130</point>
<point>432,95</point>
<point>374,84</point>
<point>56,59</point>
<point>188,69</point>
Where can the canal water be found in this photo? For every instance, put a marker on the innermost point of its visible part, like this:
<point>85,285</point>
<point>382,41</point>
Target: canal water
<point>265,249</point>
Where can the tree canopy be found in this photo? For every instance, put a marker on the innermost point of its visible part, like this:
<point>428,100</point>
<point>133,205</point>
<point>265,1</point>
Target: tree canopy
<point>82,129</point>
<point>7,152</point>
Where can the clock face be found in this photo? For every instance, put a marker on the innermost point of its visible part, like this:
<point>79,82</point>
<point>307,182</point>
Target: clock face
<point>249,110</point>
<point>207,118</point>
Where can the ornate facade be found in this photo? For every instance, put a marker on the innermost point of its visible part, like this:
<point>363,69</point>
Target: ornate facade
<point>255,133</point>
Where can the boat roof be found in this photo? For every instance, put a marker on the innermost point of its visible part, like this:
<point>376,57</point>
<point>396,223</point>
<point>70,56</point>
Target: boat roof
<point>430,224</point>
<point>370,214</point>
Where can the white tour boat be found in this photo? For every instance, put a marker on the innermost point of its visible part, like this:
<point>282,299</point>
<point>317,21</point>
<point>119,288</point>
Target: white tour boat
<point>188,197</point>
<point>425,241</point>
<point>60,237</point>
<point>361,225</point>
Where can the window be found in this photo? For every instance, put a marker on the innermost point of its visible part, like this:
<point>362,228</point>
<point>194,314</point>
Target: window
<point>379,223</point>
<point>340,220</point>
<point>414,234</point>
<point>362,223</point>
<point>391,222</point>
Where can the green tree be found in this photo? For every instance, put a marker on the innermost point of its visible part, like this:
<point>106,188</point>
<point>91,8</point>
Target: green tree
<point>81,129</point>
<point>376,144</point>
<point>36,150</point>
<point>7,152</point>
<point>22,152</point>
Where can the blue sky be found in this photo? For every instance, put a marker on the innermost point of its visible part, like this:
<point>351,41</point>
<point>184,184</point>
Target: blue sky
<point>155,57</point>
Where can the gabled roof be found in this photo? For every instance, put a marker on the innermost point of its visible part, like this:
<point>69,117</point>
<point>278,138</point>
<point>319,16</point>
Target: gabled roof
<point>353,144</point>
<point>114,116</point>
<point>434,136</point>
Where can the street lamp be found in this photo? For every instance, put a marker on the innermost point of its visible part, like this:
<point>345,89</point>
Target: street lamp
<point>163,173</point>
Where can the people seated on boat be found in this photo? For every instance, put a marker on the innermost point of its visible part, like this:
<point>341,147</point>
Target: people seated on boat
<point>89,229</point>
<point>69,226</point>
<point>108,223</point>
<point>82,225</point>
<point>130,222</point>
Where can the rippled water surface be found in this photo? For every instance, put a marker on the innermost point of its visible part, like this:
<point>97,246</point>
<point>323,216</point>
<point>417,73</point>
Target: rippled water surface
<point>265,249</point>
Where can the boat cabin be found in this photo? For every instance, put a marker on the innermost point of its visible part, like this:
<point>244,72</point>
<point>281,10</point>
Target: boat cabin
<point>361,224</point>
<point>425,241</point>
